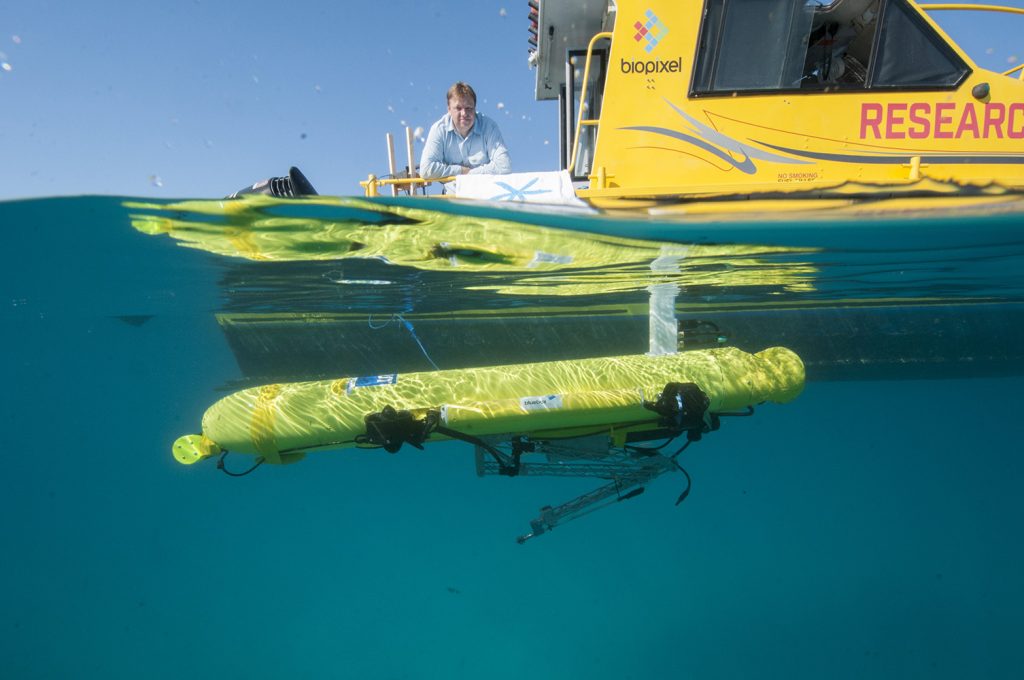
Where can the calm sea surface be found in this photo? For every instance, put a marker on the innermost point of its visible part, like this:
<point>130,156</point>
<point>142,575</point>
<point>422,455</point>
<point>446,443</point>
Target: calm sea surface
<point>871,528</point>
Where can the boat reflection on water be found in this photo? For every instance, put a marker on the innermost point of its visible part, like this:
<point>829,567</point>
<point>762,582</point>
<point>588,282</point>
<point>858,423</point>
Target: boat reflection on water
<point>324,287</point>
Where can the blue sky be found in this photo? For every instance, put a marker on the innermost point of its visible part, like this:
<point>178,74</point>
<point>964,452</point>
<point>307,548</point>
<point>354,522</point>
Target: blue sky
<point>197,98</point>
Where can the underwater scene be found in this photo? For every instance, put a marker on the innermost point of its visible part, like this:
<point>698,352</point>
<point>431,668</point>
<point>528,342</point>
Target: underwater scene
<point>857,517</point>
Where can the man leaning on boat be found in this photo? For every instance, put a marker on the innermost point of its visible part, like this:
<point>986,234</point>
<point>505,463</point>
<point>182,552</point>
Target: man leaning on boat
<point>464,141</point>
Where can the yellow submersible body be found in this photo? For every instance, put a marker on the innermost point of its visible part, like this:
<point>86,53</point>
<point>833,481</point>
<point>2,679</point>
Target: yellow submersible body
<point>563,399</point>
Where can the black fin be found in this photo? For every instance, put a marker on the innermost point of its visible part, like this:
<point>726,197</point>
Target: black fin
<point>292,186</point>
<point>300,185</point>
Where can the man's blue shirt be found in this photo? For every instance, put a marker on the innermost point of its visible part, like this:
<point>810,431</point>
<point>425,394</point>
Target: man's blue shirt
<point>446,151</point>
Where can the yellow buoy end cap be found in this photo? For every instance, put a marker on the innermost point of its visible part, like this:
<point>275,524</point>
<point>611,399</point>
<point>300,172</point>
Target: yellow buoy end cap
<point>786,371</point>
<point>193,448</point>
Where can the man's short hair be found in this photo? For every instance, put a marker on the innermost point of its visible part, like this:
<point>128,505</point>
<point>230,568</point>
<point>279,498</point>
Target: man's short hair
<point>461,89</point>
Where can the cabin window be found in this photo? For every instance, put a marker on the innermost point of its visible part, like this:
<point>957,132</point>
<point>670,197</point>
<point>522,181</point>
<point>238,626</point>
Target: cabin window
<point>758,46</point>
<point>913,55</point>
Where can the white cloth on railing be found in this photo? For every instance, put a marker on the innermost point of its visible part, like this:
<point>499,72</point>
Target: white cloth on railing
<point>519,187</point>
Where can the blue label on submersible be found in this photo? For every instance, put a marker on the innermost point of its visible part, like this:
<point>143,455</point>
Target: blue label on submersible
<point>374,380</point>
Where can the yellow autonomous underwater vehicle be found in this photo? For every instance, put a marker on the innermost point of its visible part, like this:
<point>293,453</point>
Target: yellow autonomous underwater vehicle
<point>587,417</point>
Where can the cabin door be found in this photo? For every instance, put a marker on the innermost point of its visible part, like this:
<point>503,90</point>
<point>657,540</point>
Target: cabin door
<point>569,110</point>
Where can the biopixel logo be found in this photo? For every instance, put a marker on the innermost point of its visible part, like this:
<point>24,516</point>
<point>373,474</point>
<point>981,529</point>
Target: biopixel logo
<point>652,30</point>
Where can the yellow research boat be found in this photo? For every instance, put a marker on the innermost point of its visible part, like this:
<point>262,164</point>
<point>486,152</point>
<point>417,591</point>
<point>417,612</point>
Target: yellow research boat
<point>752,106</point>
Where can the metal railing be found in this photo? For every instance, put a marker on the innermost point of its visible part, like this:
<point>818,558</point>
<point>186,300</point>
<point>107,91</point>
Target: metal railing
<point>580,122</point>
<point>406,180</point>
<point>373,184</point>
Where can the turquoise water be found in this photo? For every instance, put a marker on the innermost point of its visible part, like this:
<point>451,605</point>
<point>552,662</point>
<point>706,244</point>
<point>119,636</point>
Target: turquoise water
<point>868,529</point>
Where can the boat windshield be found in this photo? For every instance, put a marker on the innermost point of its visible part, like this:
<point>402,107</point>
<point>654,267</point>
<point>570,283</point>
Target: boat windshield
<point>795,45</point>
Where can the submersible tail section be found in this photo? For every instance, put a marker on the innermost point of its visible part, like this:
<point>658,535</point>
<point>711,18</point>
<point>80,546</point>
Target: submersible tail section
<point>561,399</point>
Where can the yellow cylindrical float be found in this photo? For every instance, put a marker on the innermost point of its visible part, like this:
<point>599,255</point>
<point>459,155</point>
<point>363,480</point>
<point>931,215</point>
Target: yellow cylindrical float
<point>560,398</point>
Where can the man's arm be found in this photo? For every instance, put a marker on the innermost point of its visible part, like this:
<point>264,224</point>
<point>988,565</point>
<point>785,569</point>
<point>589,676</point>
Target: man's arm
<point>500,162</point>
<point>432,163</point>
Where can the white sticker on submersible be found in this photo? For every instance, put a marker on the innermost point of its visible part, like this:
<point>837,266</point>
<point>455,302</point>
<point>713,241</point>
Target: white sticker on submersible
<point>551,401</point>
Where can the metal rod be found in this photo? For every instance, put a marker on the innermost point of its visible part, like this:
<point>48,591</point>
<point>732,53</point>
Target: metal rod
<point>412,163</point>
<point>391,162</point>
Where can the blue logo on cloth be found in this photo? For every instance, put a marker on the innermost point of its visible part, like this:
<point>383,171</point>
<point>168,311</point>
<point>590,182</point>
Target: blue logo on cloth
<point>513,194</point>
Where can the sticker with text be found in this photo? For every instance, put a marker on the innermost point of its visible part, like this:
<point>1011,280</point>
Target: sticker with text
<point>550,401</point>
